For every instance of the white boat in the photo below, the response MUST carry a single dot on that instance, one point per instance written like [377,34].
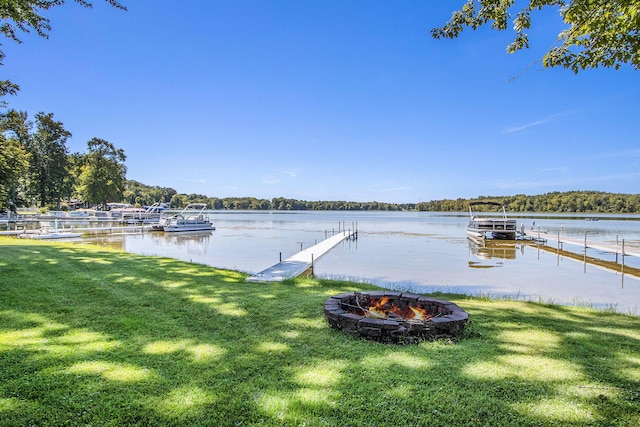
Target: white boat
[162,221]
[147,215]
[117,211]
[50,231]
[491,227]
[153,214]
[192,218]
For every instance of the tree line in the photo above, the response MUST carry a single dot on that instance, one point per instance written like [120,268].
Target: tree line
[570,201]
[142,195]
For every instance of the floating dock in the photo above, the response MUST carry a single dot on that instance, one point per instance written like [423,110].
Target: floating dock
[620,249]
[300,262]
[99,230]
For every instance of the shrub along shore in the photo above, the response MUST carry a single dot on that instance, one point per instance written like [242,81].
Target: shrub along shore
[95,336]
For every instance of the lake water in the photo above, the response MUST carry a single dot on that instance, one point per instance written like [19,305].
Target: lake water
[421,252]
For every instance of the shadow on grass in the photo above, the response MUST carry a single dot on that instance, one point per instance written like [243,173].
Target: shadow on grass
[93,336]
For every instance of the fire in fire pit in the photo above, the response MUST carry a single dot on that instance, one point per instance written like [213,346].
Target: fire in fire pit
[394,317]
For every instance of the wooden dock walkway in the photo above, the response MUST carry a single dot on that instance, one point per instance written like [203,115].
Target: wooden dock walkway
[99,230]
[300,262]
[621,249]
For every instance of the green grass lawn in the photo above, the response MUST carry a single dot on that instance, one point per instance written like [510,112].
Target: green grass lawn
[93,336]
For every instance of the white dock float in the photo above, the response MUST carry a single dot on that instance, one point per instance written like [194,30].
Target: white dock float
[300,262]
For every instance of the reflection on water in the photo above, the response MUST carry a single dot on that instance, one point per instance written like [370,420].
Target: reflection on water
[106,241]
[491,253]
[423,252]
[186,238]
[190,242]
[495,253]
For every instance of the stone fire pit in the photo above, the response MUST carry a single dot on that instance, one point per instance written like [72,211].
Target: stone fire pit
[394,317]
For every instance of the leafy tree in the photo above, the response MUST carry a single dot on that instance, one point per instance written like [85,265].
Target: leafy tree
[14,158]
[76,162]
[179,201]
[48,168]
[39,160]
[103,176]
[600,32]
[6,86]
[140,194]
[217,203]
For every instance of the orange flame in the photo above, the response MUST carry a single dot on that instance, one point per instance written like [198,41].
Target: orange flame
[381,308]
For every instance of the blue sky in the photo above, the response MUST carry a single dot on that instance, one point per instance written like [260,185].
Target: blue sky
[328,100]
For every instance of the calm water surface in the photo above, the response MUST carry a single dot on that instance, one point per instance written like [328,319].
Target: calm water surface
[422,252]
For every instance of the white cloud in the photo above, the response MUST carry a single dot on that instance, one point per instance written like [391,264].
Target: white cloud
[527,126]
[549,119]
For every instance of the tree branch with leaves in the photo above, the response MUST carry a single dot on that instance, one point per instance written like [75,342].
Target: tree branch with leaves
[599,33]
[24,16]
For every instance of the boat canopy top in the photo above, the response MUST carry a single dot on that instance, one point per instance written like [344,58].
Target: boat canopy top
[485,203]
